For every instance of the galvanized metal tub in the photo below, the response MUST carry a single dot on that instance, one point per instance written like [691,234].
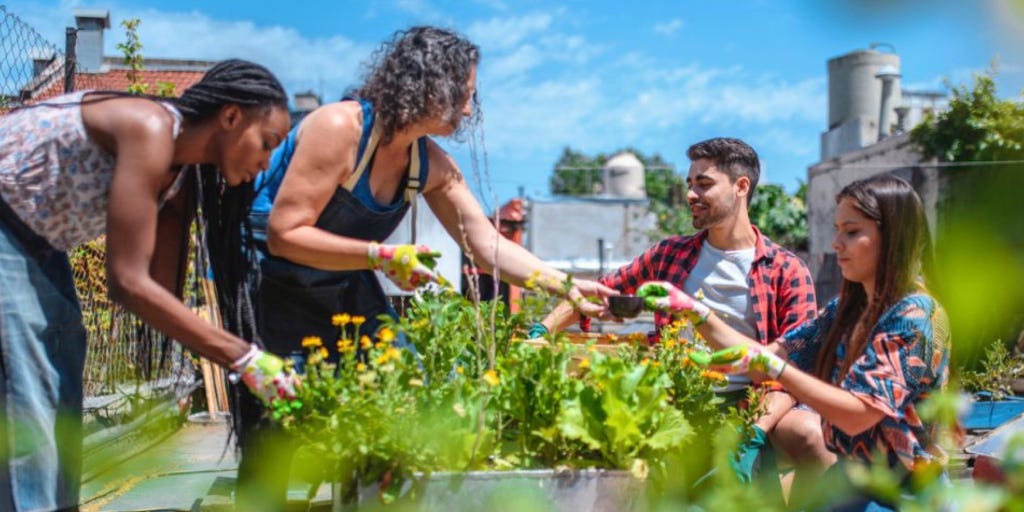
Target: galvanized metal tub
[542,490]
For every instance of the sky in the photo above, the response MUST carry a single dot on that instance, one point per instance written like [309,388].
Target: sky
[596,76]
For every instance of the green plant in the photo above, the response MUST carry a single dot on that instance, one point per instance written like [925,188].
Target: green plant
[473,396]
[132,51]
[999,368]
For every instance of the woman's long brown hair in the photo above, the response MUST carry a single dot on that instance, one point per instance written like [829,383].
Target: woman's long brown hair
[904,260]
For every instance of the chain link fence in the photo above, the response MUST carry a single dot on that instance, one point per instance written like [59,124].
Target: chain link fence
[129,364]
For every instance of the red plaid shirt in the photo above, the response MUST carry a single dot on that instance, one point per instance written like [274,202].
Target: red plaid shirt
[781,290]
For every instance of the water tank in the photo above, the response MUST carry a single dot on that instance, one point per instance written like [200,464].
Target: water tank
[853,89]
[623,176]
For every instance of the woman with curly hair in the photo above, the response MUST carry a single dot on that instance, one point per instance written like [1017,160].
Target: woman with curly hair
[341,182]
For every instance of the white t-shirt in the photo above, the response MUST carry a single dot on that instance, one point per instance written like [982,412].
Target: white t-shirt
[722,278]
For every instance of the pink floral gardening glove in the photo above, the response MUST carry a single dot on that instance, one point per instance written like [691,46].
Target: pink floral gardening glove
[266,376]
[663,296]
[741,359]
[408,266]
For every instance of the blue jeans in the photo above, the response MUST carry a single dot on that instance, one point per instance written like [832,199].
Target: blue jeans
[42,354]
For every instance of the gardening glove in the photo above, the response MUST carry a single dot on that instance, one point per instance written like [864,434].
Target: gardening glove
[537,330]
[662,296]
[741,359]
[408,266]
[266,376]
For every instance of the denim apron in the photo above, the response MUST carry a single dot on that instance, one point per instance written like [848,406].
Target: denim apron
[294,300]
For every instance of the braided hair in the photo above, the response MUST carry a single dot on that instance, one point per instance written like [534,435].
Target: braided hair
[224,209]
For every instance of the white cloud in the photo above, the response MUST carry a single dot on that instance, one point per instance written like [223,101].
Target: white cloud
[506,33]
[302,63]
[668,28]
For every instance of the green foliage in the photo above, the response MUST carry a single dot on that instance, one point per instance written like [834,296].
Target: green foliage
[978,126]
[383,415]
[978,216]
[779,216]
[998,370]
[132,51]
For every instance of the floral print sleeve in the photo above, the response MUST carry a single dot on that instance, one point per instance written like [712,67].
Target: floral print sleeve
[903,357]
[906,358]
[803,341]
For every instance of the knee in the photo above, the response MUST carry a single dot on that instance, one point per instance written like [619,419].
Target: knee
[801,439]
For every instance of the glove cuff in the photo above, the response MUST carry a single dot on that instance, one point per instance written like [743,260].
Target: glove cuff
[537,330]
[244,361]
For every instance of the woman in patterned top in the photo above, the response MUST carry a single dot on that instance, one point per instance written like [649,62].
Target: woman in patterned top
[89,163]
[874,353]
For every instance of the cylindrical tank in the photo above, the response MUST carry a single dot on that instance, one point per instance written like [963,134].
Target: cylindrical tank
[853,89]
[623,176]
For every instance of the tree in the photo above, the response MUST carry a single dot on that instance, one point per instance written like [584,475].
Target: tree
[980,229]
[779,216]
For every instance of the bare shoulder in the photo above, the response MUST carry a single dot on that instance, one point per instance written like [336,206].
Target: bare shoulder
[335,121]
[124,116]
[441,163]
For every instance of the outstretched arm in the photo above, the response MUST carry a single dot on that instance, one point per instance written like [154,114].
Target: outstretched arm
[451,200]
[741,354]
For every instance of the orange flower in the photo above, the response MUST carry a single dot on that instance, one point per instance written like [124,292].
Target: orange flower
[713,375]
[341,319]
[312,342]
[358,320]
[364,342]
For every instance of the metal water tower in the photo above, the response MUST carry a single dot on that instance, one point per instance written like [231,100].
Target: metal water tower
[623,176]
[853,88]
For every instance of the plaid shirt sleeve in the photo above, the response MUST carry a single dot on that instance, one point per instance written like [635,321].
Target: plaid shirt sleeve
[796,301]
[669,260]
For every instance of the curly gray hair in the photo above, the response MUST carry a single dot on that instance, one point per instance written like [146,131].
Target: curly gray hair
[420,72]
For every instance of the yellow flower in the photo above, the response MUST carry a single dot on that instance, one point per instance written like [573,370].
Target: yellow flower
[393,353]
[386,335]
[340,319]
[612,338]
[416,383]
[584,364]
[645,361]
[364,342]
[379,345]
[344,345]
[323,352]
[491,378]
[360,367]
[656,364]
[460,370]
[358,320]
[670,343]
[311,342]
[381,359]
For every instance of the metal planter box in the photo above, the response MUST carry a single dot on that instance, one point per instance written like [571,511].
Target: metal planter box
[569,491]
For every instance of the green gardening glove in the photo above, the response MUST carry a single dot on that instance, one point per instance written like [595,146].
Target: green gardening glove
[741,359]
[663,296]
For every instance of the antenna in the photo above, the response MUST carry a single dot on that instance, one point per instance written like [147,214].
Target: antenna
[878,44]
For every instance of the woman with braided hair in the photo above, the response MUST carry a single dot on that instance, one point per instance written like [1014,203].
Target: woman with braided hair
[93,162]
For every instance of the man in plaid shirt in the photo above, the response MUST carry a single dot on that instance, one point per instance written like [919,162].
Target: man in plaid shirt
[758,287]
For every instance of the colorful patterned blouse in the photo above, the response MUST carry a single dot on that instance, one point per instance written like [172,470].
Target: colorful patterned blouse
[906,358]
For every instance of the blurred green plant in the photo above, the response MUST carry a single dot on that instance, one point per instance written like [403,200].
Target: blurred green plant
[996,373]
[979,144]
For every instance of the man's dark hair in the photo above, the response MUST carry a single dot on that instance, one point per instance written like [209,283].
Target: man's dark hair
[732,156]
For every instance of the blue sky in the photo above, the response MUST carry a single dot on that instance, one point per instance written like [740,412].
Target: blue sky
[597,75]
